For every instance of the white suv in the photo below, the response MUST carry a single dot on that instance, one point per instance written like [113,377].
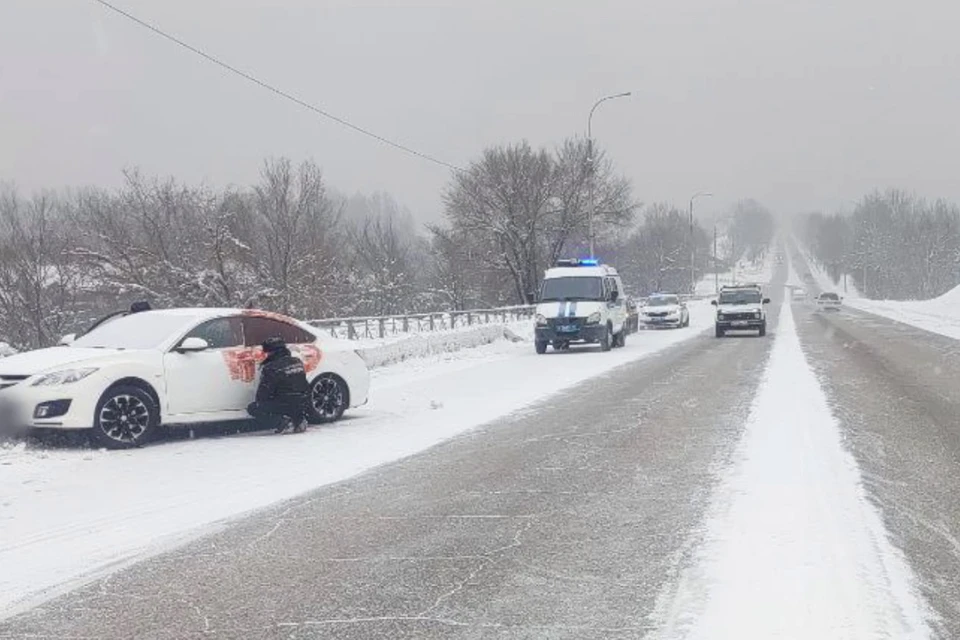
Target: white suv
[739,308]
[581,301]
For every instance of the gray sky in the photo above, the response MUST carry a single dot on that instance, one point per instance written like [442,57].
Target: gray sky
[799,104]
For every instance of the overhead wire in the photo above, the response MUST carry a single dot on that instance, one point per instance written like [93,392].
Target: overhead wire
[275,90]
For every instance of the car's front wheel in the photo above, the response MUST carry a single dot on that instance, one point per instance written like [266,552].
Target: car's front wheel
[329,398]
[125,417]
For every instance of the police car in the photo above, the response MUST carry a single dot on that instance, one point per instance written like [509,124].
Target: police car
[740,307]
[581,301]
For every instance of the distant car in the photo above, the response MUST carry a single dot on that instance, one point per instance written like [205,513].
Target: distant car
[829,301]
[664,310]
[800,295]
[130,375]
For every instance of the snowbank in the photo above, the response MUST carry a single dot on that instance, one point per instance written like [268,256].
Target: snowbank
[940,315]
[379,353]
[793,547]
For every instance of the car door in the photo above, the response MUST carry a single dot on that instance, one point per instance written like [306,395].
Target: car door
[257,328]
[213,380]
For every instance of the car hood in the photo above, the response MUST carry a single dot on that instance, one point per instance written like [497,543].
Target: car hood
[739,308]
[569,309]
[33,362]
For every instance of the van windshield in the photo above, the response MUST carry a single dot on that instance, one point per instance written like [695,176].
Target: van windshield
[572,288]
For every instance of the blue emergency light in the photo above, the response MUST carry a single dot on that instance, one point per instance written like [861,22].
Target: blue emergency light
[578,262]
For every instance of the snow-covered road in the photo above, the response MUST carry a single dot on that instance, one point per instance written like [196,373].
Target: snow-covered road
[67,516]
[779,487]
[793,548]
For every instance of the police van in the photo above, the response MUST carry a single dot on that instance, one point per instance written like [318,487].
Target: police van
[581,301]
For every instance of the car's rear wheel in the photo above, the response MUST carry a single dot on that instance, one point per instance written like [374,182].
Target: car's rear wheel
[329,398]
[126,416]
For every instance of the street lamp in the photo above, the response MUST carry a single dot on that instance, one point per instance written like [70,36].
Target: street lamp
[693,246]
[590,167]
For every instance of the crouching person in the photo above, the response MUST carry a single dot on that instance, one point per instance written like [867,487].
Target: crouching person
[282,393]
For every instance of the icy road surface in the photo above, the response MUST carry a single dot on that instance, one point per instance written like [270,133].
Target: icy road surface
[67,516]
[793,547]
[692,493]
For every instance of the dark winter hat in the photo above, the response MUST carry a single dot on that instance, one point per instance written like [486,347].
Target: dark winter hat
[273,344]
[141,305]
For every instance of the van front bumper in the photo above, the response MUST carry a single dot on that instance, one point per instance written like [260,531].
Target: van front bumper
[570,333]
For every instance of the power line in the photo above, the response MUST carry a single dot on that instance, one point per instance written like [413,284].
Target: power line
[275,90]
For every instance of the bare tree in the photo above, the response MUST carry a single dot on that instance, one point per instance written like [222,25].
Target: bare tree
[40,285]
[530,207]
[294,234]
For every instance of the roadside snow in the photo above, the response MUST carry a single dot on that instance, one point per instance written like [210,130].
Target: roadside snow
[940,315]
[69,516]
[379,353]
[793,548]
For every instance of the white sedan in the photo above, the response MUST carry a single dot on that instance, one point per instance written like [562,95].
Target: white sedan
[664,310]
[170,367]
[829,301]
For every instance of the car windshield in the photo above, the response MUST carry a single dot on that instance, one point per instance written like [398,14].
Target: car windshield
[829,296]
[137,331]
[663,301]
[740,296]
[572,288]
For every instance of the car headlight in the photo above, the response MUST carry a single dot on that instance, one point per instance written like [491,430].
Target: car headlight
[593,318]
[756,314]
[66,376]
[541,320]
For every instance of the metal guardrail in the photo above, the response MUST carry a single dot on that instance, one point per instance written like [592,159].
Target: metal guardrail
[373,327]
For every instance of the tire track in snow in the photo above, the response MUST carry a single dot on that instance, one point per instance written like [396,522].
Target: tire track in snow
[793,548]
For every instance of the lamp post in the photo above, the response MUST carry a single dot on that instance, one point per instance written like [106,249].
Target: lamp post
[693,246]
[590,167]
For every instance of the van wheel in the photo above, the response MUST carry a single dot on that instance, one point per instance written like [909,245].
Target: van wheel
[540,346]
[125,417]
[607,341]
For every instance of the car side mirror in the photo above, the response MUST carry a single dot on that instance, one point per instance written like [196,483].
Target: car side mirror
[67,340]
[193,344]
[766,301]
[713,302]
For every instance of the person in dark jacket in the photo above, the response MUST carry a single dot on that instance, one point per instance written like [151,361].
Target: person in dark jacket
[282,393]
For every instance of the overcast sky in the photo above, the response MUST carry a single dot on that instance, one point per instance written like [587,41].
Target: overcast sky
[800,104]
